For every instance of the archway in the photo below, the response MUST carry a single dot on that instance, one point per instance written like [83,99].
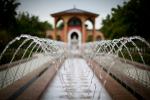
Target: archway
[74,39]
[74,35]
[74,21]
[89,24]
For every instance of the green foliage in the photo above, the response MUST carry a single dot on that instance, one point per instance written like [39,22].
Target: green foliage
[130,19]
[23,23]
[4,39]
[136,57]
[8,13]
[27,24]
[13,24]
[7,57]
[90,38]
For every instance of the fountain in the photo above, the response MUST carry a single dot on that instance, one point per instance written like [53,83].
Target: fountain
[35,49]
[115,57]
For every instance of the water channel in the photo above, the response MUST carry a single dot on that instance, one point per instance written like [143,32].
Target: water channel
[73,82]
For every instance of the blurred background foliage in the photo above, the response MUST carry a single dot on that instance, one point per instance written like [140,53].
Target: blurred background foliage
[130,19]
[133,18]
[13,24]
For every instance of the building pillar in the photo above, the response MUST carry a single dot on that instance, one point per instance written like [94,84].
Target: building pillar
[55,29]
[83,31]
[65,30]
[94,31]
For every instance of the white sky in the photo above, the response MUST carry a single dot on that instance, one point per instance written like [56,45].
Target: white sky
[43,8]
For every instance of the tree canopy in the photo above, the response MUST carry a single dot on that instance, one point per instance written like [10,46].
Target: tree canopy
[8,13]
[27,24]
[13,24]
[132,18]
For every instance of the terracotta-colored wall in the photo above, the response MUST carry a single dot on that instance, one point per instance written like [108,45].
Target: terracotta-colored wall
[67,28]
[74,27]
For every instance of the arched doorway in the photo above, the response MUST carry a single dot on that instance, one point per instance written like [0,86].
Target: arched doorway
[74,39]
[75,36]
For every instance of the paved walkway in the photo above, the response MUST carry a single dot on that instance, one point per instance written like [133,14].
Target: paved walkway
[75,81]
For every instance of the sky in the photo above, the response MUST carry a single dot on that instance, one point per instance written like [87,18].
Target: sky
[43,8]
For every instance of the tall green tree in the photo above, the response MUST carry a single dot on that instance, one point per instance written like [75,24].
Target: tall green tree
[27,24]
[7,20]
[8,13]
[130,19]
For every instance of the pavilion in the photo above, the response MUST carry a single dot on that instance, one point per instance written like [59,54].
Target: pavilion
[74,27]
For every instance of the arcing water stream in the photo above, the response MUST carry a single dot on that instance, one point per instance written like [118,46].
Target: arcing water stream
[75,79]
[44,50]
